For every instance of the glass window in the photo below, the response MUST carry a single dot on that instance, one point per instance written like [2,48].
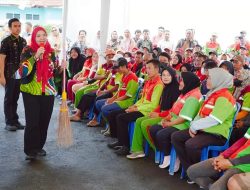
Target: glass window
[9,15]
[17,16]
[28,16]
[35,17]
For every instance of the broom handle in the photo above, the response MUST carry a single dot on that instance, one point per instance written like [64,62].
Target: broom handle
[65,15]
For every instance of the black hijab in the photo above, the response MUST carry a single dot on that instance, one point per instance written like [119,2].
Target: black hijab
[170,92]
[76,65]
[188,66]
[191,81]
[229,66]
[179,61]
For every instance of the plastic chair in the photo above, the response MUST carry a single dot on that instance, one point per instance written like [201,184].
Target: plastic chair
[131,125]
[215,150]
[173,157]
[172,161]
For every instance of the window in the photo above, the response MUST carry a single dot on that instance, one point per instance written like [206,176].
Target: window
[28,16]
[9,15]
[17,16]
[35,17]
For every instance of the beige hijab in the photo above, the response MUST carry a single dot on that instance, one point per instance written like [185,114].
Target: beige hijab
[220,79]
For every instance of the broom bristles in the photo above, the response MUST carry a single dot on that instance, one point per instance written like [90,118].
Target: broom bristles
[64,131]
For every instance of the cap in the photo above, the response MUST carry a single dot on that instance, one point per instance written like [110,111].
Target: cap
[237,58]
[116,57]
[214,34]
[212,52]
[189,49]
[199,46]
[200,54]
[120,62]
[109,52]
[135,49]
[120,50]
[243,47]
[243,32]
[146,48]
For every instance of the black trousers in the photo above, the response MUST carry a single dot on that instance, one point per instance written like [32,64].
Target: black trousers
[112,121]
[122,121]
[189,149]
[86,101]
[38,111]
[12,92]
[89,99]
[162,137]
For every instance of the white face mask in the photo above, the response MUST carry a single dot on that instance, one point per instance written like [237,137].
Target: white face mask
[202,71]
[128,59]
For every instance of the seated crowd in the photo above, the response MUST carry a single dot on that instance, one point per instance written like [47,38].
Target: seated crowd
[183,100]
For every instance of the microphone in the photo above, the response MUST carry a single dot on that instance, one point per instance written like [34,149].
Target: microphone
[42,44]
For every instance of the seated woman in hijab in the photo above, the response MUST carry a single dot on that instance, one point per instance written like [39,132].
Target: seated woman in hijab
[212,124]
[208,64]
[85,74]
[183,112]
[228,66]
[76,62]
[169,96]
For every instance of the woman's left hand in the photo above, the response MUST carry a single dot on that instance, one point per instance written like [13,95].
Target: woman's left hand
[153,115]
[191,133]
[166,123]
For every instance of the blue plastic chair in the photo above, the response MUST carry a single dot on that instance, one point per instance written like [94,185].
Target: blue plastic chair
[158,154]
[172,161]
[215,150]
[132,124]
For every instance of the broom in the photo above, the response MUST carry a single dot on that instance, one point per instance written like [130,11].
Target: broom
[64,131]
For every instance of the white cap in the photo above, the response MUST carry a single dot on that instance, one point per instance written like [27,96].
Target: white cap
[116,57]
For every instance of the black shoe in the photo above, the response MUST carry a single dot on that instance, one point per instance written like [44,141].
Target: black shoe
[114,145]
[31,156]
[123,151]
[189,181]
[41,153]
[19,126]
[10,127]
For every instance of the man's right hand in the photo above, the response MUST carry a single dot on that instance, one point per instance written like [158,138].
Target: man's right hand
[2,81]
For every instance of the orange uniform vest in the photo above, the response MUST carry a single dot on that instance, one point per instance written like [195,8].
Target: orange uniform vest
[125,81]
[208,106]
[178,105]
[149,87]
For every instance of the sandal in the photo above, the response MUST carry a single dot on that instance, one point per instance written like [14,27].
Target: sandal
[93,123]
[75,118]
